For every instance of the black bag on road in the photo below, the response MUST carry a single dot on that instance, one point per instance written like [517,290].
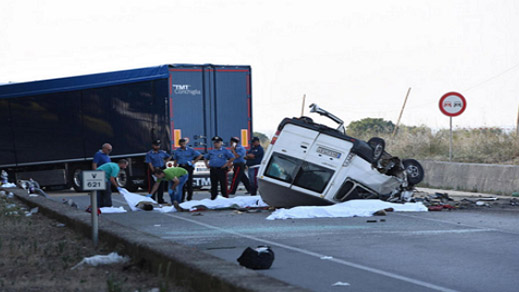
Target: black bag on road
[259,258]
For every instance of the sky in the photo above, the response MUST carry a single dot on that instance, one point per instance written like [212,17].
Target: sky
[356,59]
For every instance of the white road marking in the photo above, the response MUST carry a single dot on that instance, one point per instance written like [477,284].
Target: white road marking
[458,224]
[317,255]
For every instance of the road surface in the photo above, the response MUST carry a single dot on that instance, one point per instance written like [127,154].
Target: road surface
[461,250]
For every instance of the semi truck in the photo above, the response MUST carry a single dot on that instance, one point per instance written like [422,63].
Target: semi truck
[50,129]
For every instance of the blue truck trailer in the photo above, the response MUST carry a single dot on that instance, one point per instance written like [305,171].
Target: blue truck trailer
[50,129]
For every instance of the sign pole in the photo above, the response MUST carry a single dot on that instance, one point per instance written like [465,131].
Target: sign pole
[452,104]
[95,218]
[93,180]
[450,140]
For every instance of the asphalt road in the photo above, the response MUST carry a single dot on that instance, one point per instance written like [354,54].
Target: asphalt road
[462,250]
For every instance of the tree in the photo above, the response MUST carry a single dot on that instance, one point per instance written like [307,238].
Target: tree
[264,140]
[370,126]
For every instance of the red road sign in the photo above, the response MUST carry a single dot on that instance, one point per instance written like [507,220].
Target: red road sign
[452,104]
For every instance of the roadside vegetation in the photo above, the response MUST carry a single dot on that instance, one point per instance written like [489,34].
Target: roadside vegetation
[478,145]
[37,254]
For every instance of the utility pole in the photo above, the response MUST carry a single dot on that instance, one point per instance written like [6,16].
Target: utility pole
[303,107]
[517,125]
[401,112]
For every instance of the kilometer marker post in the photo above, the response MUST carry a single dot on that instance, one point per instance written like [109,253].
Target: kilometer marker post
[93,180]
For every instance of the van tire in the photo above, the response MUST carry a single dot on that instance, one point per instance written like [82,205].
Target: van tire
[378,145]
[414,171]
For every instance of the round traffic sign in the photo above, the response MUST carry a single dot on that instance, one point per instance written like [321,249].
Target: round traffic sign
[452,104]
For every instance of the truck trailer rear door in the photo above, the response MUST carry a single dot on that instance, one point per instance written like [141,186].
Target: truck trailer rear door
[210,100]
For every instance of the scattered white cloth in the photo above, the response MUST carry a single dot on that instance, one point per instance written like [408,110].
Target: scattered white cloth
[108,210]
[133,199]
[353,208]
[8,185]
[112,258]
[221,202]
[165,209]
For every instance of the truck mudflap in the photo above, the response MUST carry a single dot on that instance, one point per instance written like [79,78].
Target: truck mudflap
[282,197]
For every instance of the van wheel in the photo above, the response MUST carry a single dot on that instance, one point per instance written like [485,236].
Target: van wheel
[378,145]
[414,171]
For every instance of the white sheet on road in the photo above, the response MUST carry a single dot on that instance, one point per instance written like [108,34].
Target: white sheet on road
[110,210]
[8,185]
[354,208]
[133,199]
[220,202]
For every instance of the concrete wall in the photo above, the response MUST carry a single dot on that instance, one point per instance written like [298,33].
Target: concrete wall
[485,178]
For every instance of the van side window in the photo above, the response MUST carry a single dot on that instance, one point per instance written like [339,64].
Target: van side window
[282,167]
[313,177]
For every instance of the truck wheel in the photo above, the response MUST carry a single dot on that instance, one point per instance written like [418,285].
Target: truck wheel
[378,145]
[414,170]
[123,180]
[75,179]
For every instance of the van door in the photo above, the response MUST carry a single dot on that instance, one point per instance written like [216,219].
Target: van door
[331,153]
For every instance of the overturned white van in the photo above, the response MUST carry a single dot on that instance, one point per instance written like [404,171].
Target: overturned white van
[312,164]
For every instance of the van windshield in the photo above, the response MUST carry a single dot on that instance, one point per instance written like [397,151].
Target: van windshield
[298,172]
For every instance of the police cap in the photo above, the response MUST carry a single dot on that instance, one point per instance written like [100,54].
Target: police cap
[156,142]
[235,139]
[217,139]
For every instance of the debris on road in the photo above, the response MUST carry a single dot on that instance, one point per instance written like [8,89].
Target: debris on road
[259,258]
[488,199]
[32,211]
[32,187]
[8,185]
[380,213]
[110,259]
[481,203]
[112,210]
[341,284]
[70,203]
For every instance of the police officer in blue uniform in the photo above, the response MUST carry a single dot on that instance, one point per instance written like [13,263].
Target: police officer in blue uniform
[239,166]
[218,160]
[186,157]
[254,157]
[156,159]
